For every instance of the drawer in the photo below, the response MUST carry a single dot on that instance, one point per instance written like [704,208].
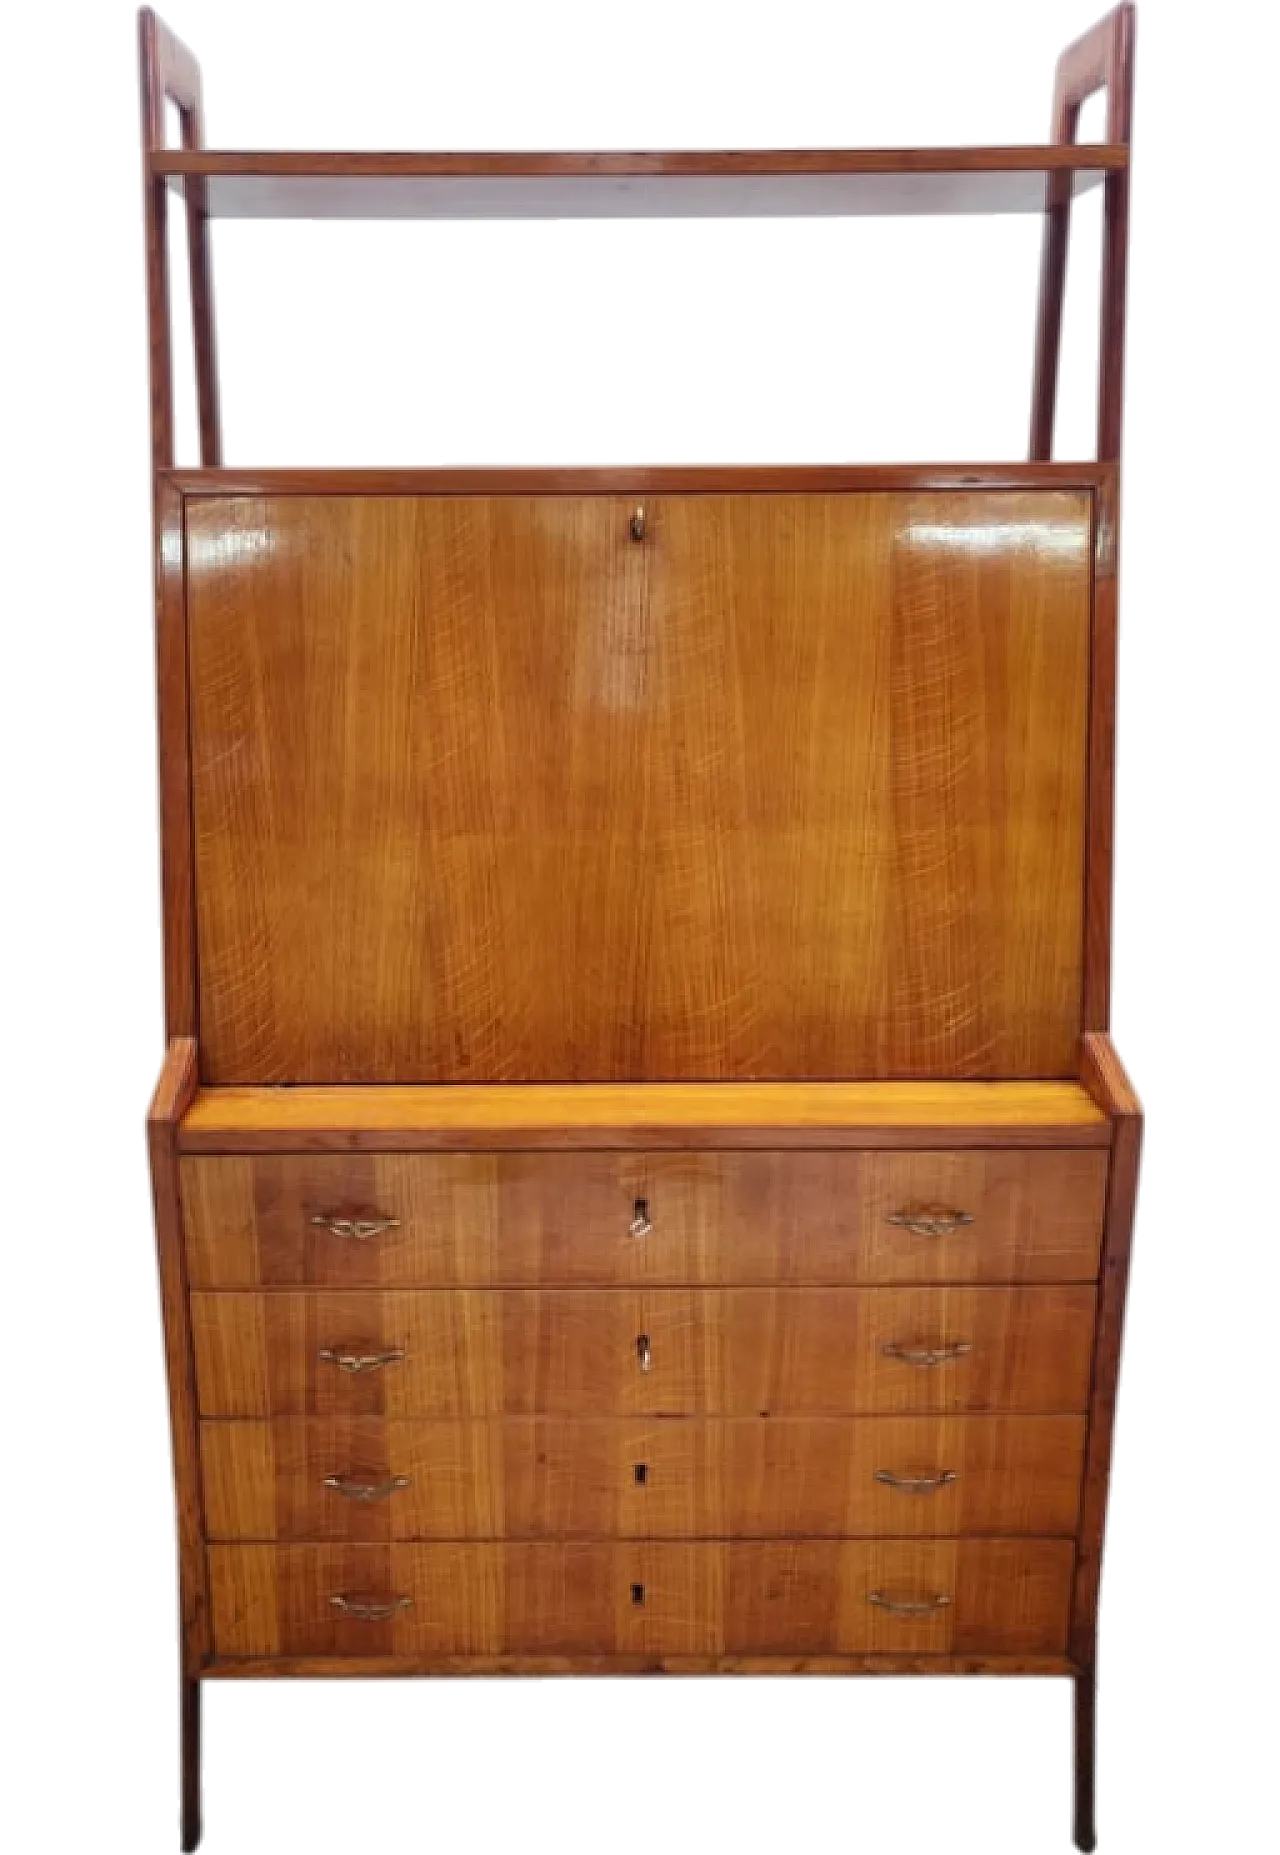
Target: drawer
[584,1352]
[804,1598]
[366,1478]
[512,1219]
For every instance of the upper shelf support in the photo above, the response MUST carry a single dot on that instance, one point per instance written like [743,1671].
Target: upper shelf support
[171,82]
[1100,60]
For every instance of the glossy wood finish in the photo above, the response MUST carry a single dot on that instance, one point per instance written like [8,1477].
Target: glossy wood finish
[530,874]
[745,1351]
[411,1667]
[606,1219]
[763,865]
[543,1478]
[644,1115]
[1006,1597]
[640,480]
[1100,832]
[177,850]
[173,1092]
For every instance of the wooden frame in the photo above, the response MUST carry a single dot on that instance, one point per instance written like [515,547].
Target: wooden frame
[185,1120]
[173,1096]
[1104,1076]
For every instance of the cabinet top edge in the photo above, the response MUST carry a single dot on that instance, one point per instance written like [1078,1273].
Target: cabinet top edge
[634,1115]
[623,480]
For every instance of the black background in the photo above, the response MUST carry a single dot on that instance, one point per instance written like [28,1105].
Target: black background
[405,345]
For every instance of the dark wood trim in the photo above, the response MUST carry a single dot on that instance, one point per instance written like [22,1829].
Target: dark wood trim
[1103,1075]
[641,164]
[166,1104]
[303,1667]
[177,850]
[654,480]
[200,261]
[1101,59]
[1115,248]
[1085,1712]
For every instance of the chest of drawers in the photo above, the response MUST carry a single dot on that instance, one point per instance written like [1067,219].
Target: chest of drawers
[643,1182]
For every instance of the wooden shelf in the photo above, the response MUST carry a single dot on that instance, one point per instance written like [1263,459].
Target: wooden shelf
[805,183]
[670,1114]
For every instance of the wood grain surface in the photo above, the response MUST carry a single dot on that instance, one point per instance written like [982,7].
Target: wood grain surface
[367,1479]
[798,1598]
[394,1119]
[794,787]
[743,1351]
[606,1219]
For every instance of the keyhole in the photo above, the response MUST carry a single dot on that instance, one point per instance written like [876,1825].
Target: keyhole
[641,1473]
[637,1594]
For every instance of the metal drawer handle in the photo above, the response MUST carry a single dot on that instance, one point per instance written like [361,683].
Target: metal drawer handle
[909,1606]
[638,523]
[917,1484]
[361,1362]
[644,1352]
[369,1609]
[640,1225]
[927,1356]
[931,1222]
[365,1491]
[354,1229]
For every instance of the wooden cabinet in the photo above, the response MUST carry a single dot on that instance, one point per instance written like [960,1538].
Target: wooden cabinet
[642,1179]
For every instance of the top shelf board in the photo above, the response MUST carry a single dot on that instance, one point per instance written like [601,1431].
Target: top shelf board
[820,183]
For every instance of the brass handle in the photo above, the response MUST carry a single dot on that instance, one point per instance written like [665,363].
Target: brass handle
[927,1356]
[355,1229]
[640,1225]
[369,1609]
[931,1222]
[644,1352]
[361,1362]
[916,1484]
[366,1491]
[638,523]
[909,1606]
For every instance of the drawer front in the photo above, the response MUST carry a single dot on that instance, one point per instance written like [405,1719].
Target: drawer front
[656,1352]
[366,1478]
[808,1598]
[403,1220]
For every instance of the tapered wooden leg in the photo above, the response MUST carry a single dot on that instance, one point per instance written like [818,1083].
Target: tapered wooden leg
[1086,1683]
[191,1824]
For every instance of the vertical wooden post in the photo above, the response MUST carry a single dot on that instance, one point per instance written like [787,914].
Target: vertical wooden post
[169,78]
[173,1096]
[1103,1076]
[1101,59]
[169,72]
